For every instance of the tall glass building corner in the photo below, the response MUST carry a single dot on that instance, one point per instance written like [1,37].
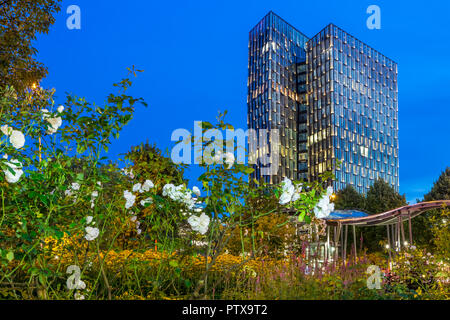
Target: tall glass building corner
[333,98]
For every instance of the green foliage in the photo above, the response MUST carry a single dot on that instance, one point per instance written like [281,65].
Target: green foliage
[441,188]
[236,206]
[38,206]
[146,249]
[349,198]
[381,197]
[20,22]
[44,217]
[91,127]
[441,233]
[42,229]
[272,234]
[422,225]
[149,162]
[417,273]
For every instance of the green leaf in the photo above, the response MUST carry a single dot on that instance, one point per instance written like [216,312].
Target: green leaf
[248,170]
[307,219]
[10,256]
[42,278]
[59,234]
[206,125]
[301,217]
[173,263]
[81,148]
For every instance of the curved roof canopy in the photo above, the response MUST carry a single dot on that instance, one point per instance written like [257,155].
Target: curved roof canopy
[359,218]
[346,214]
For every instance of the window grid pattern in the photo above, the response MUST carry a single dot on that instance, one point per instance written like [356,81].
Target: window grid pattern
[332,97]
[276,54]
[353,111]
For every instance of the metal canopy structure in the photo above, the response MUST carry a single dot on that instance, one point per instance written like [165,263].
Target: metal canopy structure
[340,220]
[347,214]
[386,218]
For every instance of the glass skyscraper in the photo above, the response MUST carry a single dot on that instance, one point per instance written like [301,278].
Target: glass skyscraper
[332,97]
[277,92]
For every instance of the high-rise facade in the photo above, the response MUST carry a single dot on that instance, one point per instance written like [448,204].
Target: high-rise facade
[332,97]
[277,92]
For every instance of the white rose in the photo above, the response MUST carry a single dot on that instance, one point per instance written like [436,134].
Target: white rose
[78,296]
[286,184]
[295,197]
[17,139]
[55,123]
[168,189]
[128,173]
[60,109]
[329,191]
[199,224]
[16,166]
[91,233]
[148,184]
[229,160]
[179,194]
[196,191]
[203,223]
[323,207]
[285,198]
[146,201]
[137,187]
[6,129]
[75,186]
[288,191]
[130,199]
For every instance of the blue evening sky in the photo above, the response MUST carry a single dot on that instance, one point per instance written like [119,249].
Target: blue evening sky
[195,55]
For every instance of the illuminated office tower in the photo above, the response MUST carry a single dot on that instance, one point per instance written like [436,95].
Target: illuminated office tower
[353,111]
[275,95]
[332,97]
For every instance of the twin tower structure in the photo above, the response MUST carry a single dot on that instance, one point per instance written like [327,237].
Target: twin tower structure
[333,100]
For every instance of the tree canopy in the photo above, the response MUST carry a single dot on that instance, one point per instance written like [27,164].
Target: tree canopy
[349,198]
[423,224]
[441,188]
[148,162]
[381,197]
[20,22]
